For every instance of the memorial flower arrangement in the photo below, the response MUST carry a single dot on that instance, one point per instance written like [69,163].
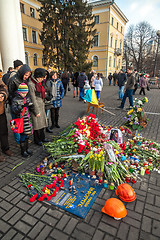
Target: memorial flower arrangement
[136,117]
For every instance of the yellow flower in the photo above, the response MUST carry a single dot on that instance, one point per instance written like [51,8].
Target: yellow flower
[131,123]
[146,99]
[47,191]
[116,152]
[133,150]
[130,111]
[139,110]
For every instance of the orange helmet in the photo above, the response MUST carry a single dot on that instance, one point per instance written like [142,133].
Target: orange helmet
[125,192]
[114,208]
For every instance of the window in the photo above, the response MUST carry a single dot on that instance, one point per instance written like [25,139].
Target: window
[95,61]
[117,25]
[32,12]
[96,19]
[95,41]
[22,8]
[110,60]
[34,36]
[111,41]
[121,45]
[26,58]
[121,29]
[112,21]
[115,44]
[24,34]
[35,59]
[114,63]
[43,61]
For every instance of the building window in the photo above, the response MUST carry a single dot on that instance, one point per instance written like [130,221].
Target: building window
[121,29]
[95,41]
[114,63]
[35,59]
[120,45]
[112,21]
[115,44]
[26,58]
[43,61]
[95,61]
[22,8]
[32,12]
[34,36]
[96,19]
[111,42]
[24,34]
[110,60]
[117,25]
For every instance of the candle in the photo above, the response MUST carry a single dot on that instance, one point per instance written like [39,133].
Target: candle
[142,171]
[112,186]
[134,180]
[147,171]
[128,178]
[105,184]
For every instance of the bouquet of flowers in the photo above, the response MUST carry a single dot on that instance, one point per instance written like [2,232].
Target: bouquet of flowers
[136,118]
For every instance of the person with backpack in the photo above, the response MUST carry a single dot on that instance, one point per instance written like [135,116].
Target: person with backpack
[110,78]
[121,82]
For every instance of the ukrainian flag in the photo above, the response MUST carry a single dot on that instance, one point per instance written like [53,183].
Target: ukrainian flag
[91,97]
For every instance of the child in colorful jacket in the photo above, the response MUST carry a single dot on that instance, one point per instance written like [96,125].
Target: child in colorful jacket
[21,104]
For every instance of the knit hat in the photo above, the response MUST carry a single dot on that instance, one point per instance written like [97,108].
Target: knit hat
[17,63]
[40,72]
[23,88]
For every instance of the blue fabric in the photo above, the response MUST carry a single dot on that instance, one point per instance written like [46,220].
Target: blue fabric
[129,94]
[97,94]
[47,113]
[23,137]
[16,135]
[81,93]
[110,82]
[88,95]
[121,92]
[60,93]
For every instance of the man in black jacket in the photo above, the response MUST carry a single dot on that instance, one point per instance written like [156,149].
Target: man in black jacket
[81,81]
[129,88]
[121,81]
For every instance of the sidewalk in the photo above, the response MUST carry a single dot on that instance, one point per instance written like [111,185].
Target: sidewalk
[20,219]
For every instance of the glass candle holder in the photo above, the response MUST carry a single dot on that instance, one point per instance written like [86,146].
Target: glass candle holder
[105,184]
[112,186]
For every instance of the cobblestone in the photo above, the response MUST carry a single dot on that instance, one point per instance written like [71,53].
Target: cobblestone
[20,219]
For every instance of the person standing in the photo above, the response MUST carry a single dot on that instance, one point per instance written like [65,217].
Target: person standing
[57,91]
[81,81]
[3,122]
[98,83]
[6,76]
[110,78]
[75,84]
[20,107]
[121,81]
[37,95]
[129,88]
[92,80]
[143,82]
[65,81]
[115,78]
[136,81]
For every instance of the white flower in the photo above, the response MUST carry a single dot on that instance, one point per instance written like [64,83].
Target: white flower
[140,102]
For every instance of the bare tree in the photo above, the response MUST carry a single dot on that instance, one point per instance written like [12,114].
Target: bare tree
[137,44]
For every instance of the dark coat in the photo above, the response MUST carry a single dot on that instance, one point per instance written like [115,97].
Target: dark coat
[75,79]
[6,77]
[130,81]
[16,80]
[121,79]
[48,96]
[60,93]
[4,91]
[81,80]
[17,108]
[38,106]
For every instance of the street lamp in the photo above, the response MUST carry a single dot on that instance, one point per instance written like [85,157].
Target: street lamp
[155,63]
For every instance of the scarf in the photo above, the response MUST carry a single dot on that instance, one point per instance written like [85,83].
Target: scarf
[54,90]
[40,88]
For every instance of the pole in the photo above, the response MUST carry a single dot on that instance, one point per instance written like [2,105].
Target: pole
[155,63]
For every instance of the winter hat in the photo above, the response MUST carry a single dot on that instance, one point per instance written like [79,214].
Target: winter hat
[17,63]
[23,88]
[40,72]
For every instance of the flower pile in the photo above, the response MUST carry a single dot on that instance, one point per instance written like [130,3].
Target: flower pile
[136,117]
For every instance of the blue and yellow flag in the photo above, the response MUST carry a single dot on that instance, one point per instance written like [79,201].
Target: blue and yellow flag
[91,97]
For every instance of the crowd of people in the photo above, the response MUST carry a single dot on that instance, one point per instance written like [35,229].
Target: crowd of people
[36,98]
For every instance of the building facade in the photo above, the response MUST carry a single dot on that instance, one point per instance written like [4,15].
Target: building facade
[107,50]
[32,27]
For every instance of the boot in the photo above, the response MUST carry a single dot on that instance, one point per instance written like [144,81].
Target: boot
[23,150]
[52,118]
[26,147]
[56,121]
[2,158]
[48,128]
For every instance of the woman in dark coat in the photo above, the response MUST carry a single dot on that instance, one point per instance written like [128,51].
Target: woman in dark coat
[75,84]
[37,95]
[65,81]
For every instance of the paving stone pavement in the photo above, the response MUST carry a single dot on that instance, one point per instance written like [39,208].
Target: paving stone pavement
[20,219]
